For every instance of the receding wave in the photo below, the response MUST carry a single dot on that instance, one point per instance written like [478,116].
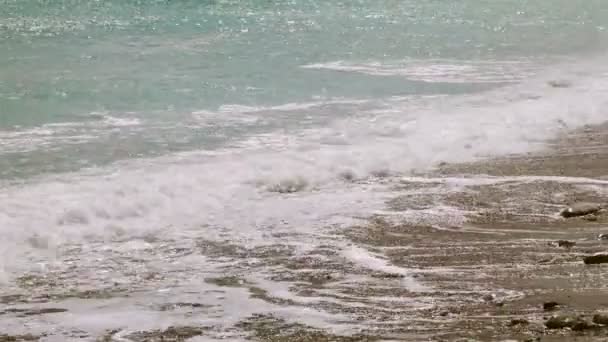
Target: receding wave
[447,71]
[51,135]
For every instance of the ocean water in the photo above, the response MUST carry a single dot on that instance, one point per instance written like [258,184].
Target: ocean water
[129,126]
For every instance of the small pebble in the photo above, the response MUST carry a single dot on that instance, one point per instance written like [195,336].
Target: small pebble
[489,297]
[518,321]
[599,258]
[548,306]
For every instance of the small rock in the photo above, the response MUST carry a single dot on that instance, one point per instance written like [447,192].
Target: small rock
[518,321]
[560,322]
[599,258]
[600,319]
[566,243]
[489,297]
[444,313]
[581,209]
[563,243]
[549,306]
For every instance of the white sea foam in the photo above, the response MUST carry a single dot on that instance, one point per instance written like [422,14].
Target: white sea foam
[53,135]
[366,259]
[240,114]
[230,188]
[444,71]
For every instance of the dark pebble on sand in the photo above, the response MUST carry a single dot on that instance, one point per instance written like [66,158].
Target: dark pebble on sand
[600,319]
[581,209]
[596,259]
[489,297]
[560,322]
[563,243]
[518,321]
[548,306]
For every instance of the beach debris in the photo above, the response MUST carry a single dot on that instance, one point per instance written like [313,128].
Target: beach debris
[581,209]
[602,237]
[549,306]
[576,323]
[598,258]
[518,321]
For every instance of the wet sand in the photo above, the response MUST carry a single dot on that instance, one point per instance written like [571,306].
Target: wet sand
[499,274]
[494,272]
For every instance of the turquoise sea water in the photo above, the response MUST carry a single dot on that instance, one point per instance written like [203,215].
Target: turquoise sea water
[79,78]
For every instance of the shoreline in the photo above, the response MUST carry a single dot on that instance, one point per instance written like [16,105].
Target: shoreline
[467,252]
